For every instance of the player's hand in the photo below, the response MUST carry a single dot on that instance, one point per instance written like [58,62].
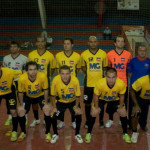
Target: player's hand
[122,112]
[54,110]
[47,109]
[21,111]
[77,110]
[135,110]
[95,111]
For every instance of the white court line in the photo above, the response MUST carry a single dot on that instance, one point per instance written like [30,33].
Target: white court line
[104,141]
[148,140]
[29,138]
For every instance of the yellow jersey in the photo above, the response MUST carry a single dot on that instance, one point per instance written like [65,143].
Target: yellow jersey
[143,84]
[94,64]
[66,93]
[6,79]
[109,94]
[73,61]
[45,62]
[33,89]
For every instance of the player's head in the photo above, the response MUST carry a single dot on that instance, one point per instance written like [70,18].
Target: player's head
[93,42]
[65,73]
[14,47]
[40,42]
[142,51]
[31,68]
[68,43]
[111,76]
[119,42]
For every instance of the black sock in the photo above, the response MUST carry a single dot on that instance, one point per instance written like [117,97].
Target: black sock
[47,124]
[36,114]
[62,118]
[78,124]
[91,124]
[15,123]
[22,121]
[110,116]
[87,113]
[124,124]
[54,124]
[73,118]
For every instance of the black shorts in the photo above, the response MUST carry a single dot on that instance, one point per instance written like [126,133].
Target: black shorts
[28,101]
[111,108]
[11,100]
[88,94]
[61,107]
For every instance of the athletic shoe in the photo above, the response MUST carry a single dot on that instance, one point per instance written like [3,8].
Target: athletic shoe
[109,124]
[13,136]
[54,138]
[73,124]
[126,137]
[21,137]
[8,122]
[48,137]
[101,124]
[88,138]
[60,125]
[79,138]
[34,122]
[134,137]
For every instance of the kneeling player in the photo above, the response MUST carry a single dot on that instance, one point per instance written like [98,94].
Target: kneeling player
[67,88]
[109,90]
[34,85]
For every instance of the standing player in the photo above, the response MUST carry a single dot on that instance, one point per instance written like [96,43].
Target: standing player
[72,59]
[93,61]
[119,59]
[6,82]
[46,64]
[109,90]
[139,66]
[34,85]
[16,61]
[67,88]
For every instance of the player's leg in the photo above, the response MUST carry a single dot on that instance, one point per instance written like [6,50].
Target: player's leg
[101,114]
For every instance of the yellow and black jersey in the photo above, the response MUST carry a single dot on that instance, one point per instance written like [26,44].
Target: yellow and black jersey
[33,89]
[66,93]
[45,62]
[143,84]
[109,94]
[94,64]
[6,79]
[73,61]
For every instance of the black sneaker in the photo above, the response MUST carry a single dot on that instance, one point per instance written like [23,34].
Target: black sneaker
[101,124]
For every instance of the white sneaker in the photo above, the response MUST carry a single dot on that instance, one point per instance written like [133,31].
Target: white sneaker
[109,124]
[44,122]
[34,122]
[54,138]
[73,124]
[79,138]
[60,125]
[134,137]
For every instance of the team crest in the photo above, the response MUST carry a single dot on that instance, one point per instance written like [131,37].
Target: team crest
[4,83]
[43,61]
[17,64]
[114,92]
[37,86]
[122,59]
[71,89]
[146,65]
[71,62]
[98,59]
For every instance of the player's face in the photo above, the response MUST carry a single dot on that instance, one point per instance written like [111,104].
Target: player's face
[111,78]
[67,45]
[40,43]
[14,48]
[119,43]
[93,43]
[65,75]
[142,52]
[32,71]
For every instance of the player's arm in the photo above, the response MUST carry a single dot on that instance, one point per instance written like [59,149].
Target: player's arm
[20,98]
[46,96]
[121,100]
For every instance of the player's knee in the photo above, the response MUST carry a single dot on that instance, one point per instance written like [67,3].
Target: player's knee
[13,112]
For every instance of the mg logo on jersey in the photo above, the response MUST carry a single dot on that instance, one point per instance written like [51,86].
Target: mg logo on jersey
[109,97]
[41,67]
[43,61]
[4,83]
[4,88]
[34,92]
[98,59]
[37,86]
[119,66]
[68,96]
[94,66]
[71,89]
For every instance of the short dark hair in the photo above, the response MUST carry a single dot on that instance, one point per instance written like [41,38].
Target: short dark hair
[14,43]
[31,63]
[111,70]
[141,45]
[118,36]
[70,39]
[64,67]
[41,37]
